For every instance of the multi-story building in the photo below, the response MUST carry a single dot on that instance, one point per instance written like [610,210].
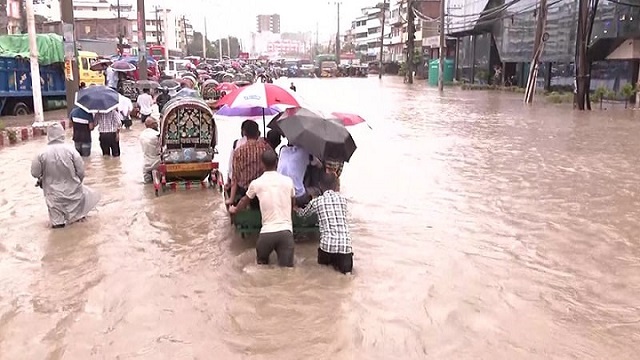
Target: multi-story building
[505,35]
[287,47]
[366,31]
[98,20]
[268,23]
[11,18]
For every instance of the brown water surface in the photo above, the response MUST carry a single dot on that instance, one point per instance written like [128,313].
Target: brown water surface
[482,229]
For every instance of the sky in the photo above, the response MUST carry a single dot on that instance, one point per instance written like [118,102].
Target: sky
[238,17]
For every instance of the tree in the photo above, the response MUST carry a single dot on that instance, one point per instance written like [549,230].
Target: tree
[195,47]
[348,47]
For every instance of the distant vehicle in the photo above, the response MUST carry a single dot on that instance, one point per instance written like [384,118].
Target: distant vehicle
[157,52]
[328,69]
[173,67]
[88,76]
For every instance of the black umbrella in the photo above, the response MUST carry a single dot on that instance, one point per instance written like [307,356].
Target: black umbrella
[324,138]
[170,84]
[97,99]
[147,84]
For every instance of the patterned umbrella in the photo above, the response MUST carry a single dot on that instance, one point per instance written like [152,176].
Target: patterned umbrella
[97,99]
[226,87]
[170,84]
[101,65]
[123,66]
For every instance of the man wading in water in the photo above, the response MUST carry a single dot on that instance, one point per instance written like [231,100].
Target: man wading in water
[276,194]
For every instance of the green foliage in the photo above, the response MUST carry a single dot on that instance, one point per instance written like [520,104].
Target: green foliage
[600,93]
[628,90]
[195,47]
[13,136]
[559,97]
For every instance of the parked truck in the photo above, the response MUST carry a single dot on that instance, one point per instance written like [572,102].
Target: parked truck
[16,97]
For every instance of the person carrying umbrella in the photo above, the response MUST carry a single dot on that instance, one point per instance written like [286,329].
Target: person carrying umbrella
[109,125]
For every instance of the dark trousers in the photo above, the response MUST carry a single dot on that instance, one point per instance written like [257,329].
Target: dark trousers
[143,118]
[341,262]
[109,144]
[281,242]
[84,149]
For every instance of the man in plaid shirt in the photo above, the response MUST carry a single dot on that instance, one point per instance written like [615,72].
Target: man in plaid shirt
[109,125]
[335,239]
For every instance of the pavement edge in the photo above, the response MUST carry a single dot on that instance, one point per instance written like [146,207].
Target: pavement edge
[16,135]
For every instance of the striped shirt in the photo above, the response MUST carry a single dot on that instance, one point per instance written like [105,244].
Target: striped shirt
[109,123]
[247,162]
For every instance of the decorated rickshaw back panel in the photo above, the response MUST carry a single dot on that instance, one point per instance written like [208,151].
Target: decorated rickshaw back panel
[189,126]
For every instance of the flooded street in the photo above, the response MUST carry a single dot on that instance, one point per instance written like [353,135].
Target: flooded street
[482,229]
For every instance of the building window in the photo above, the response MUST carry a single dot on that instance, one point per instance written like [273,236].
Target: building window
[94,8]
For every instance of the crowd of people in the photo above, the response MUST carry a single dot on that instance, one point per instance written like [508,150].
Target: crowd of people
[275,184]
[278,185]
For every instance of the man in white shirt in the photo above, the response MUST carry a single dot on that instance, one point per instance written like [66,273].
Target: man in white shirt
[145,103]
[276,194]
[149,139]
[112,78]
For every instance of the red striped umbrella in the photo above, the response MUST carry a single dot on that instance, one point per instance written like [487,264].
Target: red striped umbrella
[349,119]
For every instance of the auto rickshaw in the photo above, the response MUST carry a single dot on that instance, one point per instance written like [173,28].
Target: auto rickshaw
[209,89]
[188,138]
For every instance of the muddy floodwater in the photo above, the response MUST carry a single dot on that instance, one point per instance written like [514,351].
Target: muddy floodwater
[482,229]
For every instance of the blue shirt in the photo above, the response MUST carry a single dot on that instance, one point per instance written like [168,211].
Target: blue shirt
[293,163]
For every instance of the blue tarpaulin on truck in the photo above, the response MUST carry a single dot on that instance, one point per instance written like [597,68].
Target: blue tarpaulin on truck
[50,47]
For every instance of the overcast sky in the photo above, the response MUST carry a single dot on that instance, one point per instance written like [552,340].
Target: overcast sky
[238,17]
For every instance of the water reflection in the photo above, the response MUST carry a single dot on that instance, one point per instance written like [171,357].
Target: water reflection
[482,229]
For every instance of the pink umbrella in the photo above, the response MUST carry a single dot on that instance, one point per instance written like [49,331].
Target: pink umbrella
[226,87]
[349,119]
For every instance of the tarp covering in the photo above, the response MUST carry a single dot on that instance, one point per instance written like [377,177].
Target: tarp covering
[50,47]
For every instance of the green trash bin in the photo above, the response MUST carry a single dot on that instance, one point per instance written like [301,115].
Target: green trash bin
[434,69]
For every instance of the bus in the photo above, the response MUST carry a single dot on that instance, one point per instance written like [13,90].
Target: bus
[157,52]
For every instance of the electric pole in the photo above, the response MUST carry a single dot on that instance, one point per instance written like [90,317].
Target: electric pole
[411,34]
[36,88]
[338,34]
[142,41]
[384,20]
[70,52]
[229,45]
[540,38]
[119,30]
[220,48]
[204,40]
[443,48]
[166,34]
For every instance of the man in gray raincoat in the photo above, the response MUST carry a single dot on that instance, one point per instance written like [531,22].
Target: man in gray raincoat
[60,172]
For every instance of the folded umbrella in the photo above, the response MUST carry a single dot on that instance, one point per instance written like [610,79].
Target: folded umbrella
[97,99]
[325,138]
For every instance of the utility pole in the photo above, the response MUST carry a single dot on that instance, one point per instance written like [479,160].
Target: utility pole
[158,26]
[70,52]
[166,34]
[186,38]
[142,41]
[540,38]
[411,33]
[443,48]
[384,20]
[36,88]
[229,46]
[204,40]
[317,38]
[586,15]
[338,50]
[120,49]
